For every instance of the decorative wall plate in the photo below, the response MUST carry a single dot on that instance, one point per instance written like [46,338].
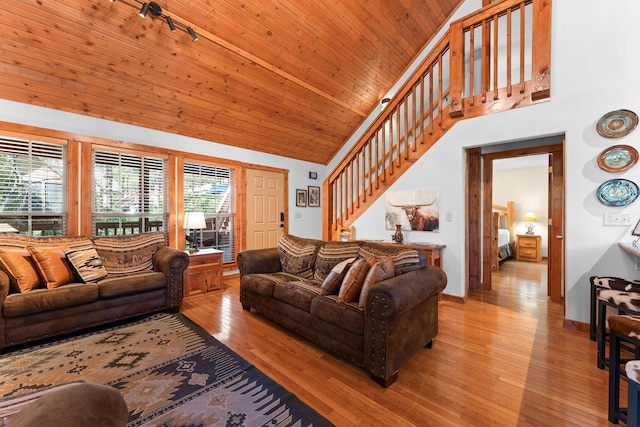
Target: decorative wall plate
[617,192]
[617,123]
[618,158]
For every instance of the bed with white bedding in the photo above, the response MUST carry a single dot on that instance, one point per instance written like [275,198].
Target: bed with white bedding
[502,230]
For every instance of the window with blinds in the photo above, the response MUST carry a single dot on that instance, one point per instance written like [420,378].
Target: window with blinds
[210,189]
[32,186]
[129,193]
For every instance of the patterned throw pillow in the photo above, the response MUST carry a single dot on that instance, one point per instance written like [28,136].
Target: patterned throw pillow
[332,282]
[18,265]
[297,256]
[52,265]
[129,254]
[404,260]
[86,263]
[354,279]
[381,270]
[331,254]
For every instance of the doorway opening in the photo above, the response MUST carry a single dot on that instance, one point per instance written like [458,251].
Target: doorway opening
[525,194]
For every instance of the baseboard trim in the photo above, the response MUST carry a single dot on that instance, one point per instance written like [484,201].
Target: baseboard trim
[452,298]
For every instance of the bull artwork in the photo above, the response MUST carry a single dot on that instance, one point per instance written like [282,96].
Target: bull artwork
[415,214]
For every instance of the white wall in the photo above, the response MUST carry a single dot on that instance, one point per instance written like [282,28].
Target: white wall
[528,187]
[591,74]
[15,112]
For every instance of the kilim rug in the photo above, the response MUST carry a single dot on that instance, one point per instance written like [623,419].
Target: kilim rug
[170,372]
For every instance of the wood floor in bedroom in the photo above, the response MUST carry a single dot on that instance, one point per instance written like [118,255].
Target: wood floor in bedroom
[501,359]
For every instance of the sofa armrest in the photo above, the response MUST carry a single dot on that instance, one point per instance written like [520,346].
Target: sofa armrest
[5,287]
[254,261]
[401,293]
[172,263]
[401,317]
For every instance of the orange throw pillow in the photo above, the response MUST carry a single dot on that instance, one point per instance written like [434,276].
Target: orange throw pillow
[354,279]
[52,265]
[17,264]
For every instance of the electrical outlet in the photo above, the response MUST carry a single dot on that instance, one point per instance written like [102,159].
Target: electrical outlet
[617,219]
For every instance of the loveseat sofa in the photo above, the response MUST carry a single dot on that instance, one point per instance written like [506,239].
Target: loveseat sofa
[372,304]
[56,285]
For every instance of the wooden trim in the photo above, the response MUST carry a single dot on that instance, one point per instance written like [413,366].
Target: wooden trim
[86,181]
[453,298]
[73,188]
[487,199]
[473,221]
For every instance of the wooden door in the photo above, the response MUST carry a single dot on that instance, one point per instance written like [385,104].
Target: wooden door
[555,271]
[265,208]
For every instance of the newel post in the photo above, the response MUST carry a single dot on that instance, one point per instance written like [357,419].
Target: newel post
[456,69]
[541,61]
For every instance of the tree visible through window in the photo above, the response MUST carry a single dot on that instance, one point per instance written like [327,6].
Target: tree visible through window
[209,189]
[128,193]
[32,183]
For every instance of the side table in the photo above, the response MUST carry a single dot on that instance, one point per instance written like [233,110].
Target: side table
[204,273]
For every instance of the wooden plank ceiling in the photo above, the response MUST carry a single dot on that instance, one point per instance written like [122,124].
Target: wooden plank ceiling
[286,77]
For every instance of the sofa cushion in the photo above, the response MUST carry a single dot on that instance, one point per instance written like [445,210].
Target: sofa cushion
[381,270]
[39,300]
[298,294]
[52,265]
[128,254]
[345,316]
[332,253]
[114,286]
[297,255]
[354,279]
[263,284]
[332,282]
[86,263]
[18,265]
[404,259]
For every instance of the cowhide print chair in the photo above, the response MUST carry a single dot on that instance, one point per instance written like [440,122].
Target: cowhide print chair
[621,295]
[633,400]
[623,329]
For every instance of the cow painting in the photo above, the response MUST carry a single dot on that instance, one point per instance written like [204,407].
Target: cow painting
[420,221]
[417,209]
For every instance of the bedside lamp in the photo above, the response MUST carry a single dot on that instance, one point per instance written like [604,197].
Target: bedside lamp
[194,221]
[529,218]
[6,228]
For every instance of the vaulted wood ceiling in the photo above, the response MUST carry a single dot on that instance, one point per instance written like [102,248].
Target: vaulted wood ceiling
[287,77]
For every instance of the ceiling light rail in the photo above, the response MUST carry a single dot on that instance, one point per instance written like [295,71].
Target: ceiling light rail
[156,11]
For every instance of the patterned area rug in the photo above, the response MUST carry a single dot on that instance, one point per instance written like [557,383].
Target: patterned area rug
[170,372]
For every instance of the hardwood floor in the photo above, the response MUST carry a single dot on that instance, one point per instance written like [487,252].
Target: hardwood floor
[501,359]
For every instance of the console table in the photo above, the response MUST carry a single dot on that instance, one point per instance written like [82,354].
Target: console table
[434,251]
[204,273]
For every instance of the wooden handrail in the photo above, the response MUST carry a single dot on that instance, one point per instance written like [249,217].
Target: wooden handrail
[459,79]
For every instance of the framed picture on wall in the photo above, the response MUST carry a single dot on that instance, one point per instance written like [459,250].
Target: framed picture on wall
[314,196]
[301,197]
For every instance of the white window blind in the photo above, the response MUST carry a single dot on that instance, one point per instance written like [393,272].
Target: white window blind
[129,193]
[210,189]
[33,186]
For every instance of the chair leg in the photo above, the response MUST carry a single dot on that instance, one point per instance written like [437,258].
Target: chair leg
[632,405]
[614,377]
[601,334]
[592,313]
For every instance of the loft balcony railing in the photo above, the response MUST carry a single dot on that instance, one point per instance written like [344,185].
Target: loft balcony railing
[493,60]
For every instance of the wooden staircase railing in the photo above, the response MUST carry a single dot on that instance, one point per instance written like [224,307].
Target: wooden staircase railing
[493,60]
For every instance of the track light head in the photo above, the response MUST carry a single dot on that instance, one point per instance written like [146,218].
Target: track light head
[192,33]
[170,23]
[144,10]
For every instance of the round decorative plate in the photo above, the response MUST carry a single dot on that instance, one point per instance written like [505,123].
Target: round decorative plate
[617,123]
[617,192]
[618,158]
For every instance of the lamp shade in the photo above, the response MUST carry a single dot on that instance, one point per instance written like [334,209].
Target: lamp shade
[529,217]
[194,220]
[6,228]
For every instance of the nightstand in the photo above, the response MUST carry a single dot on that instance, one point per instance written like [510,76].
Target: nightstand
[204,273]
[528,248]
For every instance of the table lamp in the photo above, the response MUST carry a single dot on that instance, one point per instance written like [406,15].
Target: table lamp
[194,221]
[529,218]
[6,228]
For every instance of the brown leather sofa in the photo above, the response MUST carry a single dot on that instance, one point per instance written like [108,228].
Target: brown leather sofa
[127,276]
[397,317]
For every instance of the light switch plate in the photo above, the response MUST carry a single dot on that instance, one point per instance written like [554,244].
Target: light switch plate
[617,219]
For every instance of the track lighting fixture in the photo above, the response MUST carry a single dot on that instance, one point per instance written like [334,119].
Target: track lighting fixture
[156,12]
[144,10]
